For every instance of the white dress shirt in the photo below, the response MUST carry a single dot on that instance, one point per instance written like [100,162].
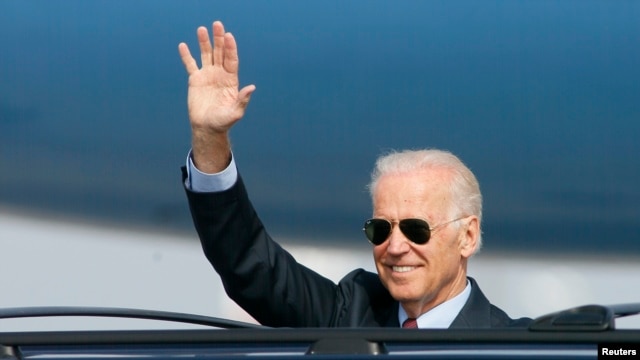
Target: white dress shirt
[198,181]
[441,316]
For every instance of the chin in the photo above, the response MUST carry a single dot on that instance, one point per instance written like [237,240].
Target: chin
[402,293]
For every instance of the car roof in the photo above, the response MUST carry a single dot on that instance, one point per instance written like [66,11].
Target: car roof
[579,333]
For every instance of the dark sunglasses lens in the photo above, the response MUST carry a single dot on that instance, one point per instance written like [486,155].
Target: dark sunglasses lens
[377,230]
[416,230]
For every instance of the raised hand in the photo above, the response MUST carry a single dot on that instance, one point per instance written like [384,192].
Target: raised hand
[215,102]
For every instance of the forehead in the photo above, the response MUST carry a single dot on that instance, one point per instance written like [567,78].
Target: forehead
[423,193]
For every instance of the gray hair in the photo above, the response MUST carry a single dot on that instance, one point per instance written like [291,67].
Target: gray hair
[464,187]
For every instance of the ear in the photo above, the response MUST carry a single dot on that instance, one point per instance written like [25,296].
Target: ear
[470,232]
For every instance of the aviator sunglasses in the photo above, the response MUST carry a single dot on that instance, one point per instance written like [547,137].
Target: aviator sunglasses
[416,230]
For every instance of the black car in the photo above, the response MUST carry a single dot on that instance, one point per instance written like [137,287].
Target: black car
[586,332]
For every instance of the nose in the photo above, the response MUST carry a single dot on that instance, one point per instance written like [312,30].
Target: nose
[398,243]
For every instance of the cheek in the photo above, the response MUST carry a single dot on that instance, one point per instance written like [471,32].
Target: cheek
[378,252]
[448,255]
[440,251]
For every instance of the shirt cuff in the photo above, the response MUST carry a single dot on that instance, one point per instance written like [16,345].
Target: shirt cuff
[197,181]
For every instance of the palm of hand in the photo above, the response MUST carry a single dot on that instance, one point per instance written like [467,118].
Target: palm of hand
[213,98]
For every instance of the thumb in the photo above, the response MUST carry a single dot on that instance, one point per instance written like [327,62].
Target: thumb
[245,95]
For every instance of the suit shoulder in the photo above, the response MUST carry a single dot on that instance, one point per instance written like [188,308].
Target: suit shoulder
[499,318]
[363,301]
[363,283]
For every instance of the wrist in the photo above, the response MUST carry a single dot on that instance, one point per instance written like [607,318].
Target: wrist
[211,153]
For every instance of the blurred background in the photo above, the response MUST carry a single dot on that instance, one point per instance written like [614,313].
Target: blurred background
[541,99]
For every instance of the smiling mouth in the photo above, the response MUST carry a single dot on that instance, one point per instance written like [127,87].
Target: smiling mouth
[402,269]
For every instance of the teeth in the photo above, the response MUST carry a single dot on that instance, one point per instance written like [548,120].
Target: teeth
[403,268]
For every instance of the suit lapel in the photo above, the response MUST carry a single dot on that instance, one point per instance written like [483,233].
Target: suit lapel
[476,313]
[392,316]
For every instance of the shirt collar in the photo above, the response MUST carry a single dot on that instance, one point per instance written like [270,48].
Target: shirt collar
[441,316]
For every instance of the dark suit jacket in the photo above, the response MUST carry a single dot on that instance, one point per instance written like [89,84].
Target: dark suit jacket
[269,284]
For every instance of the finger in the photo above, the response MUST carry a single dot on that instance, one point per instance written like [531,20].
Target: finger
[244,95]
[188,60]
[230,54]
[218,43]
[205,46]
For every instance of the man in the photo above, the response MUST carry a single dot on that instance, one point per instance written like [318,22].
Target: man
[426,225]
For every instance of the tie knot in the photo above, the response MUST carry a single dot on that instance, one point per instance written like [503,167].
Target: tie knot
[410,323]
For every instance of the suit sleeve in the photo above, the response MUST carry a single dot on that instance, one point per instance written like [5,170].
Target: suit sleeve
[258,274]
